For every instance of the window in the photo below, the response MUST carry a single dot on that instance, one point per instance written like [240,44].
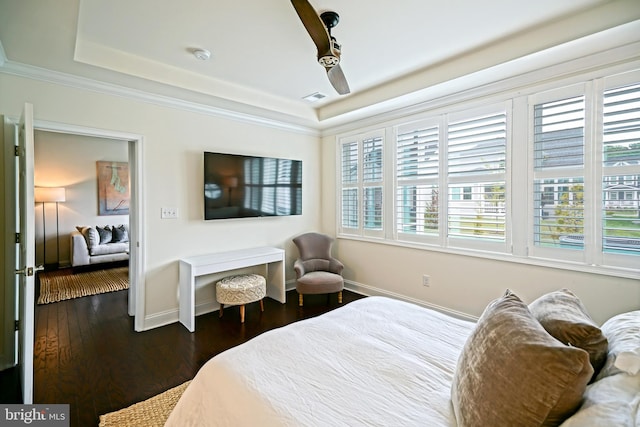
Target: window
[350,204]
[620,159]
[558,187]
[476,164]
[548,176]
[362,185]
[417,172]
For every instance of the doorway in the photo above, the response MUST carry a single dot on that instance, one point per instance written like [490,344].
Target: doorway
[133,150]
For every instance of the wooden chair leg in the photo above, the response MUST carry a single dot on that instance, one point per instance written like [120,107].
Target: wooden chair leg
[340,297]
[261,306]
[300,300]
[221,309]
[242,313]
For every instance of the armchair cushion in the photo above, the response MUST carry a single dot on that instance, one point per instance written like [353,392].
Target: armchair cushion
[319,282]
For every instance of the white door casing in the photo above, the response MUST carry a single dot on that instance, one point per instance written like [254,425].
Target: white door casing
[25,262]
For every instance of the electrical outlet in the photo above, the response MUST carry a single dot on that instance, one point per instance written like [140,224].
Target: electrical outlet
[169,213]
[425,280]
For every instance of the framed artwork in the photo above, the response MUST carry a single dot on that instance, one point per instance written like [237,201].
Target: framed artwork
[113,188]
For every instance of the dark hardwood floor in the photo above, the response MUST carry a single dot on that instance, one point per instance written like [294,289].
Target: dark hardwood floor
[87,354]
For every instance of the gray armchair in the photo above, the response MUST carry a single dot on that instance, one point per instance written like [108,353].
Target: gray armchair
[317,272]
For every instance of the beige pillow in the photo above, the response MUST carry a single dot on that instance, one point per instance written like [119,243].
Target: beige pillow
[513,373]
[90,235]
[564,316]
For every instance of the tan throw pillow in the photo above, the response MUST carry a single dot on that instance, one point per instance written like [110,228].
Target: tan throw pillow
[511,372]
[564,316]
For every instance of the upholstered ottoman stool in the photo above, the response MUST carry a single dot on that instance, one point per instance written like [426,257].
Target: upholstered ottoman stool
[240,290]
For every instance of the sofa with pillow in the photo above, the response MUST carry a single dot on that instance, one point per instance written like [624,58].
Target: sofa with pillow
[95,245]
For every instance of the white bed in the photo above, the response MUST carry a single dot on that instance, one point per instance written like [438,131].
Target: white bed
[384,362]
[374,362]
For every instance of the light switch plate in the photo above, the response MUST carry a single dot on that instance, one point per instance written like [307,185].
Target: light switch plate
[169,213]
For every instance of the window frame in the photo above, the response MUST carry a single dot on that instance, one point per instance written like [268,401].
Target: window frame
[518,246]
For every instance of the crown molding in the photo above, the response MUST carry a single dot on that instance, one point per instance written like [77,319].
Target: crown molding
[490,83]
[263,118]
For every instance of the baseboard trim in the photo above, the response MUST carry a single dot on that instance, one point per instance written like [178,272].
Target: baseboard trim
[172,316]
[367,290]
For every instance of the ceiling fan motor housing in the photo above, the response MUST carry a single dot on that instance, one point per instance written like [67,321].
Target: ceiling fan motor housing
[331,59]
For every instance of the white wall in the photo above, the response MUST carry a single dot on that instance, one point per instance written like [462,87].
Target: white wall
[69,161]
[173,144]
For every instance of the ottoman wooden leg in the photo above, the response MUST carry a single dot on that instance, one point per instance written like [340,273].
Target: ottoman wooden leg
[261,306]
[221,308]
[340,297]
[300,300]
[242,313]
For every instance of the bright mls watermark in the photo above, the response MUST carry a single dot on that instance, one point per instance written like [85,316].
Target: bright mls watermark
[34,415]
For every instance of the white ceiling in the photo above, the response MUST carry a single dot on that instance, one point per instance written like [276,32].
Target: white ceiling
[262,56]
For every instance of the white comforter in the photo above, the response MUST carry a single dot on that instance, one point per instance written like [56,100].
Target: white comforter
[375,362]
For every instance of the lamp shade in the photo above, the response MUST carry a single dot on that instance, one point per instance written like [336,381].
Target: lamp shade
[49,194]
[231,182]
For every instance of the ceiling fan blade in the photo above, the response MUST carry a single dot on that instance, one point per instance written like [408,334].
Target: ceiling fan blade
[314,25]
[338,80]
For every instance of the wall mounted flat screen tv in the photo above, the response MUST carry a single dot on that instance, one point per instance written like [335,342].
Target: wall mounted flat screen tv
[238,186]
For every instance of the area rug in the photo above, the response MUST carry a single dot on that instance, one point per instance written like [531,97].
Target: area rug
[149,413]
[61,285]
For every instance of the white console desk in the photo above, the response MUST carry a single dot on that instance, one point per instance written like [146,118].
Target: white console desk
[192,267]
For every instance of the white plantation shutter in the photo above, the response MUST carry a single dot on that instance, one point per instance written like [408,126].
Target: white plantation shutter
[349,166]
[476,151]
[621,162]
[372,180]
[558,187]
[350,208]
[372,162]
[417,172]
[559,133]
[349,163]
[362,204]
[417,153]
[372,211]
[477,146]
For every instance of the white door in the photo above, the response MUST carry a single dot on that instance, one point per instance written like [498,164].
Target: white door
[25,262]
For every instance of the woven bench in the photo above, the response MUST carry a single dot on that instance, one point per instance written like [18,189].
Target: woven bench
[240,290]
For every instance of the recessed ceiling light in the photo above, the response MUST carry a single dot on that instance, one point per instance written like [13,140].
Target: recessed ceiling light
[316,96]
[202,54]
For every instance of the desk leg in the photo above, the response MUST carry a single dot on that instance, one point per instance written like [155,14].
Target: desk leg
[187,297]
[275,281]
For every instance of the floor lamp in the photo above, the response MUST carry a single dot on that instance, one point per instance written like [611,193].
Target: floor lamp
[50,195]
[230,182]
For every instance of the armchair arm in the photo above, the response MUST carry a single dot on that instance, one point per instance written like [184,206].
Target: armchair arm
[335,266]
[298,266]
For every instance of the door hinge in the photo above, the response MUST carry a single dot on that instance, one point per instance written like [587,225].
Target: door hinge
[17,240]
[16,150]
[16,325]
